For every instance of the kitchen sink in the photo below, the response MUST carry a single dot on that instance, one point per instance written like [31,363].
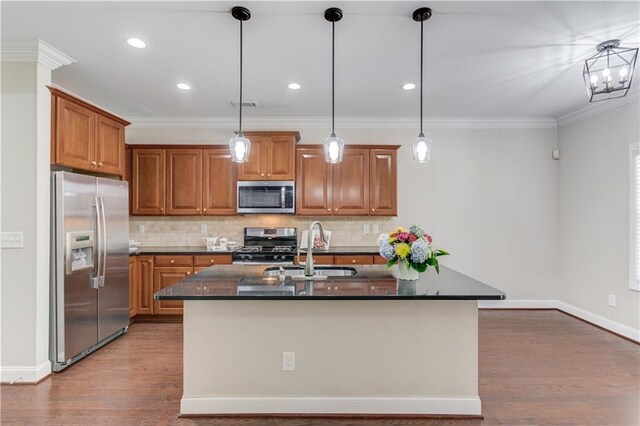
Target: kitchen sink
[319,271]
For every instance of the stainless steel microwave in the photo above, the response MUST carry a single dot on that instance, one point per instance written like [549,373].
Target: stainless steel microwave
[266,197]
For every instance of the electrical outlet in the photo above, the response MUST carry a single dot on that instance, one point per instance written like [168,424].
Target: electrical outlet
[365,228]
[376,228]
[288,361]
[12,240]
[612,300]
[141,229]
[203,228]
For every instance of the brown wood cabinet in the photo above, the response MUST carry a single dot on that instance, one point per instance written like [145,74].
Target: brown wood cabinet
[219,177]
[86,137]
[190,181]
[351,184]
[147,186]
[165,277]
[144,284]
[184,181]
[133,287]
[314,185]
[383,197]
[363,184]
[383,287]
[272,156]
[353,259]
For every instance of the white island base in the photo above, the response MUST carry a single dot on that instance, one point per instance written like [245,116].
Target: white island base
[358,357]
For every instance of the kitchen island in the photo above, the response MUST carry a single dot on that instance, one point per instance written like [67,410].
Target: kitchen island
[364,344]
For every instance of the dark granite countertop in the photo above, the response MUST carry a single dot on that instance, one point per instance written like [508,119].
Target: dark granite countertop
[203,250]
[372,282]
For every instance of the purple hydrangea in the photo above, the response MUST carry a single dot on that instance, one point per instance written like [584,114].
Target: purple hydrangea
[415,229]
[419,251]
[386,249]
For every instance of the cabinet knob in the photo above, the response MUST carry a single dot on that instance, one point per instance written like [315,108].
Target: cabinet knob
[204,210]
[172,261]
[188,272]
[195,272]
[92,162]
[198,209]
[100,164]
[335,210]
[373,210]
[328,209]
[161,209]
[353,261]
[268,174]
[373,288]
[261,174]
[212,261]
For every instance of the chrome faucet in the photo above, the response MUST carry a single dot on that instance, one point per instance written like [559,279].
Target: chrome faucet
[308,264]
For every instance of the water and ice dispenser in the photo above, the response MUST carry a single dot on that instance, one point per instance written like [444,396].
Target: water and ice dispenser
[79,251]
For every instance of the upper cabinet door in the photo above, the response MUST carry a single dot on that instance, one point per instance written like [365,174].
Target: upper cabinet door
[109,146]
[184,181]
[313,183]
[351,183]
[74,144]
[383,198]
[255,168]
[147,184]
[281,161]
[219,175]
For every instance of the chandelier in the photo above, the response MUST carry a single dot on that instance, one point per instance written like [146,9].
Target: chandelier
[608,73]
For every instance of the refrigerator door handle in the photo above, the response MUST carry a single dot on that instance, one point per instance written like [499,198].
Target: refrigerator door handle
[103,241]
[94,279]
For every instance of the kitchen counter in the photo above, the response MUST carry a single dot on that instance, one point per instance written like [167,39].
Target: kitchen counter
[240,282]
[203,250]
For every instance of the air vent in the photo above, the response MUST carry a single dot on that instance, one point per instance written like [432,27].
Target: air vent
[248,104]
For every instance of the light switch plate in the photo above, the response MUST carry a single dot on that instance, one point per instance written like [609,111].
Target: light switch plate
[140,229]
[288,361]
[365,228]
[203,228]
[12,240]
[376,228]
[612,300]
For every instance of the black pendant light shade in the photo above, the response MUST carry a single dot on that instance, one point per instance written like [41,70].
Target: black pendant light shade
[422,145]
[239,146]
[333,145]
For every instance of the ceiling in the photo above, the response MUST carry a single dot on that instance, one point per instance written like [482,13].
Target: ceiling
[482,59]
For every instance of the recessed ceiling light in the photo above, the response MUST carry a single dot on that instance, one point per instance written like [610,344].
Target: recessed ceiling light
[137,43]
[183,86]
[294,86]
[409,86]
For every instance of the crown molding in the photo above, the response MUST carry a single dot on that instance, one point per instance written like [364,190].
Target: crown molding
[593,109]
[33,50]
[296,123]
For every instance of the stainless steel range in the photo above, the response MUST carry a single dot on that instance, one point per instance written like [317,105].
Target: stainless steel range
[275,246]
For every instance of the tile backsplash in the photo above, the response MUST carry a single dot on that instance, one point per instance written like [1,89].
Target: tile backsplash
[185,231]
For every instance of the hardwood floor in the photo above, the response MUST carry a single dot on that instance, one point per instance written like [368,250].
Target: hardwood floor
[536,367]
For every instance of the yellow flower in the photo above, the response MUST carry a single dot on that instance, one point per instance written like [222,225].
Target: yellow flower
[400,229]
[403,250]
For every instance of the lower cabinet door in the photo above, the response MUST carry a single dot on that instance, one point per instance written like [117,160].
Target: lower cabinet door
[350,288]
[165,277]
[133,287]
[388,287]
[144,285]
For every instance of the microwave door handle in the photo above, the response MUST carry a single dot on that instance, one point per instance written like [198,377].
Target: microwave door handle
[103,274]
[283,198]
[94,279]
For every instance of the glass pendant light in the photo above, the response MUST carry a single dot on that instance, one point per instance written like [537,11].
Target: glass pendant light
[333,145]
[422,145]
[239,146]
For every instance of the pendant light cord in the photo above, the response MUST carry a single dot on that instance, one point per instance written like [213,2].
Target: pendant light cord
[333,79]
[240,122]
[421,72]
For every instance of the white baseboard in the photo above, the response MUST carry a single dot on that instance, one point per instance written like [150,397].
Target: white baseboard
[600,321]
[25,374]
[330,405]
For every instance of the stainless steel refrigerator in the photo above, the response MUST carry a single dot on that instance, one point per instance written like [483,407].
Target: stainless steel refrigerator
[89,265]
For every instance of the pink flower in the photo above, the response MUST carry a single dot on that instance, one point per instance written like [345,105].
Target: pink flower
[402,236]
[428,237]
[412,238]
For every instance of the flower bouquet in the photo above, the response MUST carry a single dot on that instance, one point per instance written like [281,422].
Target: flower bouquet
[411,250]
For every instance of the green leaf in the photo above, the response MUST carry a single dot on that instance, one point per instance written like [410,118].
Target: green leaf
[440,252]
[392,262]
[420,267]
[436,265]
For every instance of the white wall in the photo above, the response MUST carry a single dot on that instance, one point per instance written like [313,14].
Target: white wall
[25,208]
[594,213]
[488,196]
